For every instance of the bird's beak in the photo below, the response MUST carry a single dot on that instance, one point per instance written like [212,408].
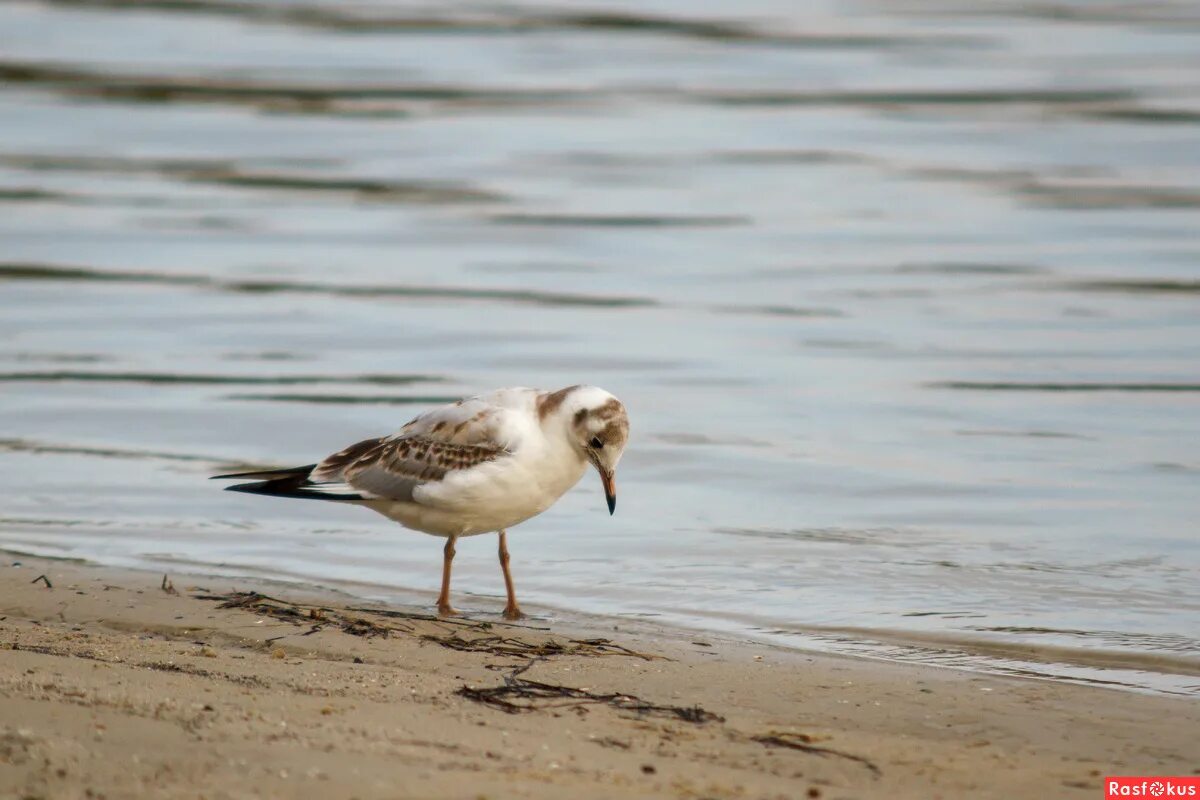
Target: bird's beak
[610,490]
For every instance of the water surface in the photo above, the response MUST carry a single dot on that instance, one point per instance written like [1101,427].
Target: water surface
[902,298]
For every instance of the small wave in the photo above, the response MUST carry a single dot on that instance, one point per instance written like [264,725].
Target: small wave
[47,272]
[1114,196]
[1118,13]
[346,399]
[1143,115]
[1020,434]
[516,20]
[1148,670]
[56,358]
[1070,190]
[700,439]
[969,268]
[788,156]
[618,220]
[902,98]
[779,311]
[1157,642]
[238,175]
[889,537]
[266,95]
[364,188]
[1048,386]
[1136,286]
[27,446]
[75,376]
[31,195]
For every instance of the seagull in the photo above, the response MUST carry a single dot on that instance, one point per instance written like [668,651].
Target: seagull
[479,465]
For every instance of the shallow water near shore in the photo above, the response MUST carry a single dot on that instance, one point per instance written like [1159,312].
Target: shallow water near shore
[902,297]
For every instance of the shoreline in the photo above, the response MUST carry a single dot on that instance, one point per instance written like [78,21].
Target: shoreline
[120,685]
[1143,672]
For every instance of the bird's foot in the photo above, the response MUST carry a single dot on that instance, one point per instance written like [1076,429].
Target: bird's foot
[513,613]
[446,610]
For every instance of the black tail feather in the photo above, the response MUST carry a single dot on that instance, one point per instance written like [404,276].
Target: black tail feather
[292,482]
[281,489]
[271,474]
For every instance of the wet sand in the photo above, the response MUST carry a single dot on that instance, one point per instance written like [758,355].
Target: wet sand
[114,686]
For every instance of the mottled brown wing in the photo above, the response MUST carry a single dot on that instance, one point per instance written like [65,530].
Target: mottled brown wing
[473,421]
[393,467]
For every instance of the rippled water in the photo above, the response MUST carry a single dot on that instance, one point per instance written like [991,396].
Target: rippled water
[903,298]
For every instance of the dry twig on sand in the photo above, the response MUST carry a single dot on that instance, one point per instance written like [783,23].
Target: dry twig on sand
[801,742]
[454,635]
[511,646]
[518,695]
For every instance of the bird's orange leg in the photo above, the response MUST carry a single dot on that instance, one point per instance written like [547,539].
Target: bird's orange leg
[443,601]
[511,609]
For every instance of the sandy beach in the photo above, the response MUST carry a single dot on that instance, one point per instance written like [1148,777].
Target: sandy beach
[118,684]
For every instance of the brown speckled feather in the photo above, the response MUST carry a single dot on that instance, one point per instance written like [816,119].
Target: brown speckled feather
[441,441]
[391,468]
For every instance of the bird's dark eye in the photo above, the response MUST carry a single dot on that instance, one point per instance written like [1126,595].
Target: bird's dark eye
[597,443]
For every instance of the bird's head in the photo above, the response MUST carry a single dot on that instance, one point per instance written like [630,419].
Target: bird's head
[597,427]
